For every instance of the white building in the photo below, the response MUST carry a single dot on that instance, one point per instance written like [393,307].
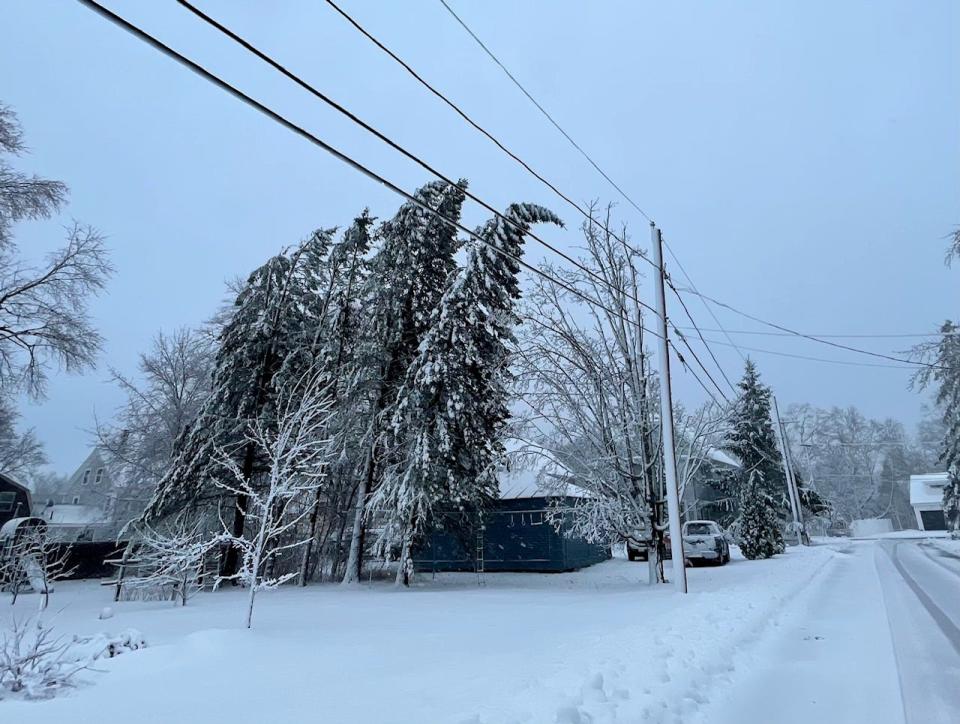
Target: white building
[926,497]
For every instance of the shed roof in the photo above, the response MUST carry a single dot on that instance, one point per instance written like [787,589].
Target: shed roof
[529,483]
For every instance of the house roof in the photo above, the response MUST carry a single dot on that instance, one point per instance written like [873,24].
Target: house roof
[14,484]
[927,488]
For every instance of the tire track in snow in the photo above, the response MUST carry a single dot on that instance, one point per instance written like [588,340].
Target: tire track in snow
[939,616]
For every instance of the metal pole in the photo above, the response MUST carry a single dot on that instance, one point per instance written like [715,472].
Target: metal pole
[666,421]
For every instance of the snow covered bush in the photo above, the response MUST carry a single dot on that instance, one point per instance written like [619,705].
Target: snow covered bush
[951,503]
[107,646]
[171,556]
[34,663]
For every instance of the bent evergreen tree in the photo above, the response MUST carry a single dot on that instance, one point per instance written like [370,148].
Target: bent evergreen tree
[252,348]
[446,426]
[408,276]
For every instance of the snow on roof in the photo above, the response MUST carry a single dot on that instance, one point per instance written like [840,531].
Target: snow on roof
[927,489]
[724,458]
[529,483]
[73,514]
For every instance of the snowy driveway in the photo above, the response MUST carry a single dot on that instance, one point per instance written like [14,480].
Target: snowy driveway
[877,643]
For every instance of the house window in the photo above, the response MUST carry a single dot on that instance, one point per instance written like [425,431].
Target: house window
[86,477]
[99,476]
[6,502]
[76,500]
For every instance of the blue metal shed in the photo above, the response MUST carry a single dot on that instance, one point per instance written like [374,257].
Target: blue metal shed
[517,534]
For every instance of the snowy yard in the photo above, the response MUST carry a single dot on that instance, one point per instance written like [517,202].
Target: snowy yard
[593,646]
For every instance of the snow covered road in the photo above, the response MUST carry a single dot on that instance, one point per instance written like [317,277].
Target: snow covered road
[875,642]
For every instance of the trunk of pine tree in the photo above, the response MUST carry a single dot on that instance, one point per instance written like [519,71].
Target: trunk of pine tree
[404,572]
[231,559]
[308,548]
[355,558]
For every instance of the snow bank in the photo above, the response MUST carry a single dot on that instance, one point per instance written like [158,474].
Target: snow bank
[868,527]
[594,646]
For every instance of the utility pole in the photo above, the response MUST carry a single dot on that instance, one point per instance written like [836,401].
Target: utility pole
[666,420]
[792,493]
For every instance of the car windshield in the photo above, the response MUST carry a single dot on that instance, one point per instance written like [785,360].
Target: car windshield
[700,529]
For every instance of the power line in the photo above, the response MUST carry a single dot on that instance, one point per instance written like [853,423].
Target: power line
[705,344]
[356,165]
[686,368]
[476,126]
[390,142]
[816,359]
[826,336]
[544,112]
[702,366]
[634,204]
[795,333]
[702,300]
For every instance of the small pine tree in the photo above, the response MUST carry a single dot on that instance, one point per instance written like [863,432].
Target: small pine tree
[758,526]
[761,483]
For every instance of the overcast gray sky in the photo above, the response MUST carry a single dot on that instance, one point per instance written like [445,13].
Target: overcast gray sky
[802,158]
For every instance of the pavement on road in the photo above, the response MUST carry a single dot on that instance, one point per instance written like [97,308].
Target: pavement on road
[876,642]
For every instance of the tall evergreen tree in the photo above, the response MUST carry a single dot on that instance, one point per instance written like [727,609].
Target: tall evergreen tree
[761,480]
[408,275]
[449,415]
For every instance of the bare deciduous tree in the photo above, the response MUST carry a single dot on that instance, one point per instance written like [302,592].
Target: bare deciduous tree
[295,447]
[175,380]
[588,389]
[20,452]
[169,556]
[44,318]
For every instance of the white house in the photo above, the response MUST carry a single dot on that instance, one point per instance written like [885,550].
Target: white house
[926,497]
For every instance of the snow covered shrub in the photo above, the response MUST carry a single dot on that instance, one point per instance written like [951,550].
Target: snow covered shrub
[951,503]
[106,646]
[35,664]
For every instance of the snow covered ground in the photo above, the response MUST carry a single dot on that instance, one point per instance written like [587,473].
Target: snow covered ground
[597,645]
[845,631]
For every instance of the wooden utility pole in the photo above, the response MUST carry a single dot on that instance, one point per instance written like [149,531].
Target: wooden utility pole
[792,492]
[666,421]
